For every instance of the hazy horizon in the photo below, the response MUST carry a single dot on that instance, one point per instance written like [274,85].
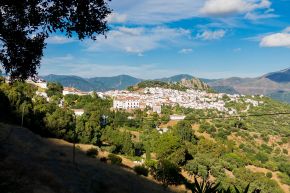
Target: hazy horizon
[163,76]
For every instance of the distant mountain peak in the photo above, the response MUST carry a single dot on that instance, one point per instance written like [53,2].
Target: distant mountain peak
[176,78]
[286,70]
[282,76]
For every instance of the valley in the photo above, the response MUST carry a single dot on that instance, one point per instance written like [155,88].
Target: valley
[220,144]
[275,85]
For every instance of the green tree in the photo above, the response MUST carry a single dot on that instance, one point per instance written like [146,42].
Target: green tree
[166,144]
[285,167]
[26,24]
[54,89]
[61,123]
[167,173]
[183,130]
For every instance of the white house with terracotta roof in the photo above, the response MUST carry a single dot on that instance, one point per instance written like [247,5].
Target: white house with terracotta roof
[70,90]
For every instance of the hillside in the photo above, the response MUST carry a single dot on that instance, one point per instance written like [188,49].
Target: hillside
[281,76]
[221,150]
[97,83]
[30,163]
[176,78]
[275,85]
[115,82]
[182,85]
[107,83]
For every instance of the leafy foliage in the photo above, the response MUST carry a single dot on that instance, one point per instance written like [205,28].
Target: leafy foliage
[92,152]
[117,160]
[24,26]
[141,170]
[54,89]
[167,173]
[222,149]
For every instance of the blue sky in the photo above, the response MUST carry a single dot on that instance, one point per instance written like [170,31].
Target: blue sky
[160,38]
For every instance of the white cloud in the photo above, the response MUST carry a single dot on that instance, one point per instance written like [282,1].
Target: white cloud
[138,40]
[164,11]
[287,30]
[256,16]
[226,7]
[117,18]
[57,59]
[276,40]
[185,51]
[156,11]
[211,35]
[59,40]
[281,39]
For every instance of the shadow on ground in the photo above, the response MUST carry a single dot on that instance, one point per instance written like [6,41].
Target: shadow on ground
[33,164]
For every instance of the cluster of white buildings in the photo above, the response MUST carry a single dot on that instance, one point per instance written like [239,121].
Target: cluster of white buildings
[74,91]
[156,97]
[37,82]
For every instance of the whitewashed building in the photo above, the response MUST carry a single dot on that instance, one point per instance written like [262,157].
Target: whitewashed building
[74,91]
[177,117]
[156,108]
[41,84]
[69,90]
[78,112]
[162,130]
[126,103]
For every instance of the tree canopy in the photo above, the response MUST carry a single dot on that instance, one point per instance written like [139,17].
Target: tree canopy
[25,24]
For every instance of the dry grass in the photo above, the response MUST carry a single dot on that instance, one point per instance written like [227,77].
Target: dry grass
[30,163]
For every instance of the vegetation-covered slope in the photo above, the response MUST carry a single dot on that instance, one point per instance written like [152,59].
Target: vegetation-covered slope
[222,150]
[275,85]
[96,84]
[183,84]
[30,163]
[281,76]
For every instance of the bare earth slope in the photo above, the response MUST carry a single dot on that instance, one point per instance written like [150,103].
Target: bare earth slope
[33,164]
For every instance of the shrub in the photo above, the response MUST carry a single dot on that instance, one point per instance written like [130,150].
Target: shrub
[92,152]
[284,140]
[265,138]
[271,165]
[285,167]
[269,174]
[103,159]
[151,164]
[262,157]
[115,159]
[202,171]
[168,173]
[285,179]
[277,151]
[141,170]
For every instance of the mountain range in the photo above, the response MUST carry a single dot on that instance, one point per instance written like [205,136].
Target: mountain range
[275,84]
[97,83]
